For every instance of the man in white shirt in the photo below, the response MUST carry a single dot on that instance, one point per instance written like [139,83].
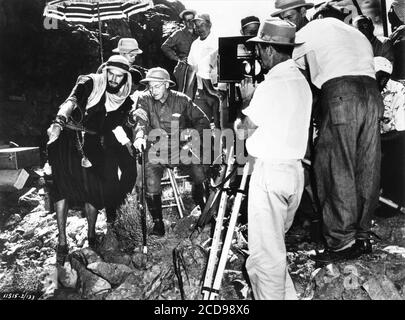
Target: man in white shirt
[277,122]
[339,60]
[202,59]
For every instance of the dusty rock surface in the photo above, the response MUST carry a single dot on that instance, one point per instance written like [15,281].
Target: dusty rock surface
[174,266]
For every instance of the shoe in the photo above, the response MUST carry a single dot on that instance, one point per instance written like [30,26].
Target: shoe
[158,228]
[61,253]
[330,256]
[364,245]
[92,242]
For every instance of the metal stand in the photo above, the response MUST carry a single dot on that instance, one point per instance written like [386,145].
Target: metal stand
[229,234]
[209,273]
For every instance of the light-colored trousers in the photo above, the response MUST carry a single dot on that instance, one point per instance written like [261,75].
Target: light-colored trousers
[275,192]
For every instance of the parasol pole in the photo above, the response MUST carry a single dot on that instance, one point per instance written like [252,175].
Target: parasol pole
[99,30]
[384,17]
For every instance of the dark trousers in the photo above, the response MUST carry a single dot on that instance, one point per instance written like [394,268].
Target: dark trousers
[208,102]
[154,174]
[116,188]
[347,158]
[392,166]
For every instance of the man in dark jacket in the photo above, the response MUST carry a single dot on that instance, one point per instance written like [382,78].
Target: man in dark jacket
[167,113]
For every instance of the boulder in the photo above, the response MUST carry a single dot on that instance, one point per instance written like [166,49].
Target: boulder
[67,276]
[114,273]
[381,288]
[128,290]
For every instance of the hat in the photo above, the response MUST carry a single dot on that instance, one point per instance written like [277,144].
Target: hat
[361,17]
[203,16]
[127,45]
[187,11]
[249,20]
[332,10]
[284,5]
[157,74]
[382,64]
[118,62]
[276,32]
[399,8]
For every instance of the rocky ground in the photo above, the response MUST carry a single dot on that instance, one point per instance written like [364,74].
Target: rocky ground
[174,265]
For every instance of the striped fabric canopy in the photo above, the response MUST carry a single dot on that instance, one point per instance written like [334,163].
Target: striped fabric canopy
[93,10]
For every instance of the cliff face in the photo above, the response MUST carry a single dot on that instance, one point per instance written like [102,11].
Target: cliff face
[40,59]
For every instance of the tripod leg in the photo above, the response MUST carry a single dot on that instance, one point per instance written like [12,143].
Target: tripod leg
[209,273]
[229,234]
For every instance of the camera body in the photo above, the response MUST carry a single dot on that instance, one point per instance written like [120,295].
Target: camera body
[236,59]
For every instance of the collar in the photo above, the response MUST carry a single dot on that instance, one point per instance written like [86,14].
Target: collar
[280,68]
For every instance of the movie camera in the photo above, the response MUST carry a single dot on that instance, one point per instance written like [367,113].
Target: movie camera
[237,60]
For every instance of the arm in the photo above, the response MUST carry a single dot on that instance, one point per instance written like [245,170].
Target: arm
[244,128]
[141,115]
[66,108]
[196,116]
[168,47]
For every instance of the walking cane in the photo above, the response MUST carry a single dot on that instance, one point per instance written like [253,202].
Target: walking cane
[142,203]
[206,289]
[229,234]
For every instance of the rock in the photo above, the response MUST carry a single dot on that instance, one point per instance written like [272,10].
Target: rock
[109,242]
[67,276]
[395,272]
[128,290]
[90,256]
[381,289]
[90,284]
[28,234]
[30,198]
[118,257]
[139,260]
[391,230]
[114,273]
[234,286]
[80,239]
[15,237]
[190,263]
[157,281]
[327,275]
[13,220]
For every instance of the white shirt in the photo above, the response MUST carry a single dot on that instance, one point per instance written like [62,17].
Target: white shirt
[281,108]
[394,107]
[333,49]
[203,57]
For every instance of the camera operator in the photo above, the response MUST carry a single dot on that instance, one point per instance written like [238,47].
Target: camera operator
[276,126]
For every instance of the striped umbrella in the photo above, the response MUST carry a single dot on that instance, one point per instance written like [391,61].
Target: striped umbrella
[88,11]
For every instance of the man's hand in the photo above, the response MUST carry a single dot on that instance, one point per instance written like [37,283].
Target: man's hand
[139,143]
[53,132]
[140,114]
[244,128]
[130,149]
[247,88]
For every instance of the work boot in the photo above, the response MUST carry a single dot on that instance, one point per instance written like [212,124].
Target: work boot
[200,193]
[111,215]
[158,228]
[154,203]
